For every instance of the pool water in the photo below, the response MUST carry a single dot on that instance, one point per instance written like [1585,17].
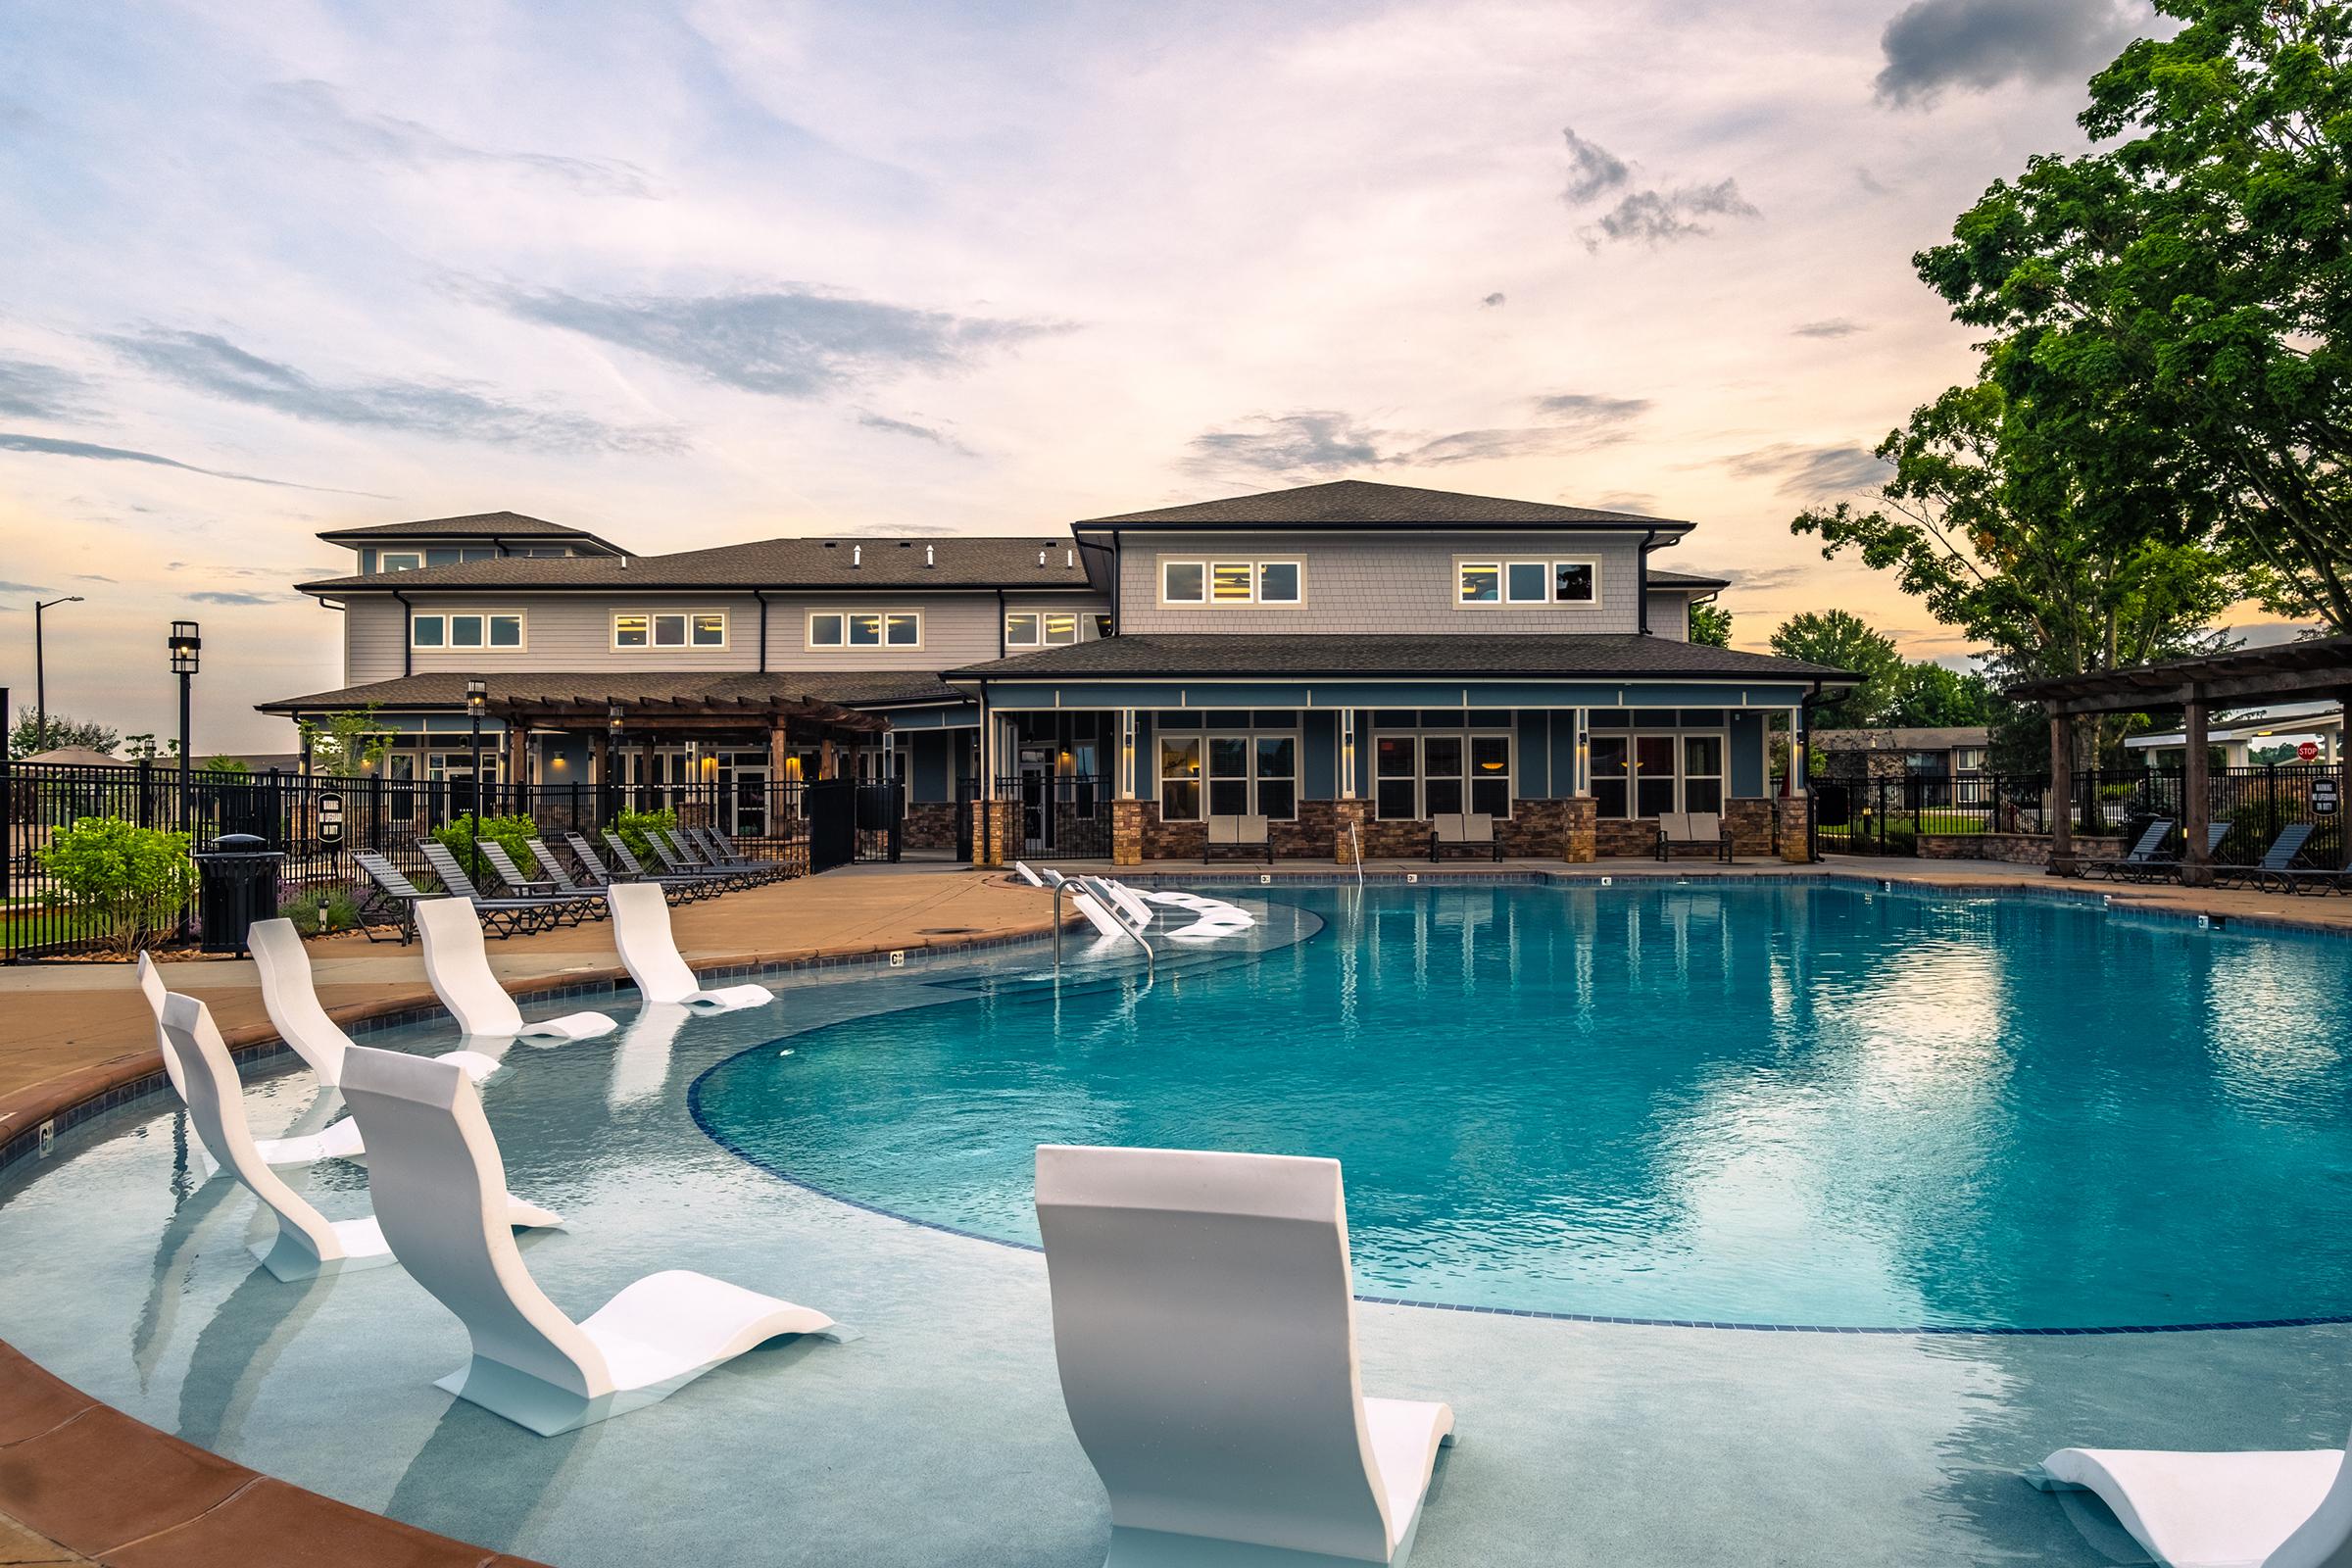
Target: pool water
[1812,1105]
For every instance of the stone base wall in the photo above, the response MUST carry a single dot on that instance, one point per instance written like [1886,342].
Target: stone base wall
[1579,841]
[1171,840]
[928,826]
[1796,828]
[1127,832]
[2016,848]
[1615,838]
[1536,831]
[1751,822]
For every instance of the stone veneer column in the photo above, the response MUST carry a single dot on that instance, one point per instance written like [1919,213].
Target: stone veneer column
[999,821]
[1344,845]
[1797,821]
[1126,832]
[1579,836]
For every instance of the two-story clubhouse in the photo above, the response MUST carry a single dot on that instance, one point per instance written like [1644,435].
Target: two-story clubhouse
[1335,658]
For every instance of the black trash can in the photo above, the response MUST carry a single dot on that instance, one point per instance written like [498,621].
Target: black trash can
[236,884]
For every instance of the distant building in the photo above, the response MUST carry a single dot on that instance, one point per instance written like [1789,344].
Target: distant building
[2242,735]
[1894,752]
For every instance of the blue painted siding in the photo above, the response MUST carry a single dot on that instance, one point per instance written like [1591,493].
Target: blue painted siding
[1319,742]
[927,764]
[1534,779]
[1747,756]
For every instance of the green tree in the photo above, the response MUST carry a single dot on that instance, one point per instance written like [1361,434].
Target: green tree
[1924,695]
[1712,624]
[230,766]
[142,747]
[25,738]
[2184,293]
[1843,641]
[134,880]
[345,743]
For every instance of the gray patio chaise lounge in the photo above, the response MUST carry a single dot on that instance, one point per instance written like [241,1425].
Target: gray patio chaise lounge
[1682,830]
[554,910]
[679,860]
[716,852]
[2143,859]
[706,883]
[676,889]
[1464,833]
[697,853]
[393,889]
[1250,835]
[2282,853]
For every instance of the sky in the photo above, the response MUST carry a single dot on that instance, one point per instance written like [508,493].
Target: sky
[686,274]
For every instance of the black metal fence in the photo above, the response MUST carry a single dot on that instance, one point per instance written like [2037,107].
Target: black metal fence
[1061,814]
[321,824]
[1888,814]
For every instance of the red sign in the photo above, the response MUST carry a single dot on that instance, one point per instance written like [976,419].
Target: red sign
[2309,751]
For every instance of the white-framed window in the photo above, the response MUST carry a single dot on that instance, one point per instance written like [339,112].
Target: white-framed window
[500,630]
[1478,582]
[1651,761]
[1230,582]
[1041,628]
[400,561]
[1437,772]
[1576,581]
[671,629]
[1555,581]
[866,628]
[1230,773]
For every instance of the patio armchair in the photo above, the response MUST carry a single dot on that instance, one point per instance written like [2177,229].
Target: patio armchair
[1464,833]
[1684,830]
[1252,835]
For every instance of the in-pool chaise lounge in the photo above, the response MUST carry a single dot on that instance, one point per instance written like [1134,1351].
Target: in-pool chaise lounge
[436,1180]
[458,964]
[291,997]
[340,1141]
[2219,1510]
[308,1244]
[641,931]
[1206,1333]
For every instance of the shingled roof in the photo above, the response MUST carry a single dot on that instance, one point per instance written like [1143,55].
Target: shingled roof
[447,689]
[1579,655]
[837,563]
[472,526]
[1359,503]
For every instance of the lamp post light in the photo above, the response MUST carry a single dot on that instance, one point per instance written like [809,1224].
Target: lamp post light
[477,698]
[611,780]
[40,670]
[184,645]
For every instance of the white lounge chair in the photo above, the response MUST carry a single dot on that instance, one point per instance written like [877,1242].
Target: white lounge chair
[437,1178]
[308,1244]
[1021,870]
[339,1140]
[458,964]
[1206,1333]
[292,1000]
[641,931]
[2219,1510]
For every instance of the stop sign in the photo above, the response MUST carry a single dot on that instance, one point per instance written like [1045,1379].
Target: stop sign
[2309,751]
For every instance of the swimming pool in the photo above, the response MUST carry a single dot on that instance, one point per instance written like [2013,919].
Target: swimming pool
[1755,1105]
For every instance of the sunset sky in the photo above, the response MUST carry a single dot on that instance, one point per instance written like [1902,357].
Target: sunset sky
[699,273]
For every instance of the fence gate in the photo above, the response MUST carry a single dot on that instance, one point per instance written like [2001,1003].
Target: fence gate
[881,816]
[831,807]
[1066,814]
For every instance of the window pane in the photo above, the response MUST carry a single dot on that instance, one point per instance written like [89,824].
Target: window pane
[441,557]
[1703,795]
[1229,797]
[402,563]
[1526,582]
[824,631]
[465,631]
[1179,780]
[1653,795]
[1394,757]
[1229,582]
[1572,582]
[905,631]
[1180,758]
[669,631]
[1180,802]
[1481,585]
[1228,756]
[1097,626]
[709,631]
[1277,797]
[1491,796]
[1178,718]
[1608,798]
[1020,629]
[1060,629]
[1490,757]
[1393,799]
[426,631]
[483,553]
[1277,757]
[1442,794]
[1442,756]
[505,631]
[1278,582]
[1701,717]
[1181,582]
[865,631]
[1441,718]
[628,631]
[1702,756]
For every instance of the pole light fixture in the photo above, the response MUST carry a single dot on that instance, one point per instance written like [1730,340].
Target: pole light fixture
[40,670]
[184,646]
[477,698]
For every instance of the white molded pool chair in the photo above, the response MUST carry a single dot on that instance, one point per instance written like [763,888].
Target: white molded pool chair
[641,931]
[458,964]
[339,1140]
[292,999]
[1206,1333]
[1021,870]
[2219,1510]
[437,1177]
[308,1243]
[1101,918]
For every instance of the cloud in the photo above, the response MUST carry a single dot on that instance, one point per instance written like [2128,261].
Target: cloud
[1492,299]
[11,441]
[1316,441]
[218,596]
[315,113]
[214,366]
[1869,182]
[91,576]
[1325,441]
[1635,501]
[1982,44]
[921,432]
[1657,216]
[1765,579]
[797,341]
[1591,170]
[1834,326]
[24,588]
[30,391]
[1814,473]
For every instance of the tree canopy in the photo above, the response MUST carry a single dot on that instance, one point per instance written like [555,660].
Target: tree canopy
[26,738]
[1843,639]
[1712,624]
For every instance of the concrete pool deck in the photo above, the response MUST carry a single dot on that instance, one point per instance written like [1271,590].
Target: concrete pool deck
[1816,1448]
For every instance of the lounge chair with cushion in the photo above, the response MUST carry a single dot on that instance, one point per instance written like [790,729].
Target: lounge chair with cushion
[1463,832]
[2290,1509]
[338,1140]
[641,931]
[2285,849]
[457,964]
[1206,1334]
[291,999]
[2145,855]
[437,1186]
[1247,835]
[308,1244]
[1686,830]
[552,912]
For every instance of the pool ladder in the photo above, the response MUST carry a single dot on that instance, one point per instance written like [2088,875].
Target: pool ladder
[1118,917]
[1356,840]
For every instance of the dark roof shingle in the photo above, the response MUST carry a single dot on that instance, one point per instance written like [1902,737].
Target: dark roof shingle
[447,688]
[1569,655]
[472,526]
[823,564]
[1359,501]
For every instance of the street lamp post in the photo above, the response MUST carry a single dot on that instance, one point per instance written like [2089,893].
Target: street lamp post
[477,698]
[613,719]
[40,671]
[184,644]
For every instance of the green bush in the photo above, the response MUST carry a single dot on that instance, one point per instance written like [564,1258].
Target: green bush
[134,880]
[321,912]
[510,832]
[631,826]
[1903,840]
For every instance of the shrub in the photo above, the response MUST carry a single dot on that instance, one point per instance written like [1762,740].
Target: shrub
[134,880]
[1903,840]
[512,833]
[321,912]
[631,826]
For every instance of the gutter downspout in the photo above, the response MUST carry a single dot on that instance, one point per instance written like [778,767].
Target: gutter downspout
[1642,578]
[1000,647]
[407,635]
[760,594]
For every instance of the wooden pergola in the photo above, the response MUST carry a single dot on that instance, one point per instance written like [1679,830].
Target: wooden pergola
[2244,678]
[782,719]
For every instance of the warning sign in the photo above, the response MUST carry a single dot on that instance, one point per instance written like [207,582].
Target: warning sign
[330,818]
[2322,796]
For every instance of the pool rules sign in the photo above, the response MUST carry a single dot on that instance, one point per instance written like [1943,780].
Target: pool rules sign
[330,818]
[2322,796]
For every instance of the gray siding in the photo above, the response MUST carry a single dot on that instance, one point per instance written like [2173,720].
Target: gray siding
[372,629]
[1386,582]
[575,632]
[957,628]
[1670,615]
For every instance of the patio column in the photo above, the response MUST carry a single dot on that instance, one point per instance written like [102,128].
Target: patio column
[1347,754]
[827,761]
[1581,842]
[2196,787]
[1125,761]
[2062,794]
[518,755]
